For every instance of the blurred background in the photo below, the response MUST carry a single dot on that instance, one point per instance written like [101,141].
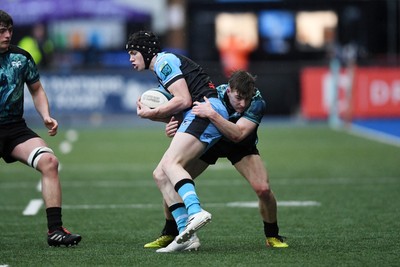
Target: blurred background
[321,65]
[335,61]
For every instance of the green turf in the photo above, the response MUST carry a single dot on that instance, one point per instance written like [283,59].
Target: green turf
[111,200]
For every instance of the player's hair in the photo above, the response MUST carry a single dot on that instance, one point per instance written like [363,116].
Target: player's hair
[244,83]
[5,19]
[146,42]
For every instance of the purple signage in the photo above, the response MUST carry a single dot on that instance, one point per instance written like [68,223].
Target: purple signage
[31,11]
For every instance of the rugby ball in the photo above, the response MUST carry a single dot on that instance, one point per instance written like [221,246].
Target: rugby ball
[155,97]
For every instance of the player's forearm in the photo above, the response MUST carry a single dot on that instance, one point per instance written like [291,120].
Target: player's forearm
[41,103]
[229,129]
[174,106]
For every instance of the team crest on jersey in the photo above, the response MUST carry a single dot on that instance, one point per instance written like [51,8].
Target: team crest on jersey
[166,69]
[16,64]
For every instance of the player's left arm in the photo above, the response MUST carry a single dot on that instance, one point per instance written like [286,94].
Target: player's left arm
[41,103]
[182,99]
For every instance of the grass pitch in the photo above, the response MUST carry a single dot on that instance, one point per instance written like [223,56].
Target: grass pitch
[109,198]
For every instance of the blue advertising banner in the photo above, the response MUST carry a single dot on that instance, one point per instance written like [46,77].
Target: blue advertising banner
[93,92]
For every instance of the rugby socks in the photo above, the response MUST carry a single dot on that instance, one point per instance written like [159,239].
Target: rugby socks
[271,229]
[170,228]
[186,190]
[54,221]
[180,215]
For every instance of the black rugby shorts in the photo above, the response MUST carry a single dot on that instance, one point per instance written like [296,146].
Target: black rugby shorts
[12,135]
[234,152]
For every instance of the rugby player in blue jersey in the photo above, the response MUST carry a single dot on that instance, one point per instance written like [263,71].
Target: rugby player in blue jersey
[20,143]
[246,108]
[188,83]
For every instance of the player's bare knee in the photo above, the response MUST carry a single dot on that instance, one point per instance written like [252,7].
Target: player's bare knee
[263,191]
[43,159]
[49,163]
[158,175]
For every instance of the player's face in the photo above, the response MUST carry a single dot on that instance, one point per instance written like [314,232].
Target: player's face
[136,59]
[5,37]
[239,103]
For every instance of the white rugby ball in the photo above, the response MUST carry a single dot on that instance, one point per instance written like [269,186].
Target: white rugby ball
[154,98]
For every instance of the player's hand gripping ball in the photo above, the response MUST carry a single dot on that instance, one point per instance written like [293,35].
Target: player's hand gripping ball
[155,97]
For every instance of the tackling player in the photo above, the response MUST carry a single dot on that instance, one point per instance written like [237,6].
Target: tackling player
[17,141]
[246,108]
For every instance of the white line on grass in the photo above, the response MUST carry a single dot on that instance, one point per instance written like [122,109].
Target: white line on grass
[250,204]
[113,166]
[298,203]
[33,207]
[254,204]
[374,135]
[7,185]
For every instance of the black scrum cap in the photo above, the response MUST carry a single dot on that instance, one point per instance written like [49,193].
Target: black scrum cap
[146,43]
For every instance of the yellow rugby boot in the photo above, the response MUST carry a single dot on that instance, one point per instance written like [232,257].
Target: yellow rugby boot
[276,242]
[161,242]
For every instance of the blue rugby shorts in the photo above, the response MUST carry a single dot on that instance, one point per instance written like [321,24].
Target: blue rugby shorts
[202,128]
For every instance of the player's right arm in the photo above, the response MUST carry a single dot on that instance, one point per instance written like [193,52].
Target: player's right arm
[235,132]
[41,104]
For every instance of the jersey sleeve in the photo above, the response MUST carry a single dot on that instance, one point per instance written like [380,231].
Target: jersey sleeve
[256,110]
[167,69]
[31,73]
[221,89]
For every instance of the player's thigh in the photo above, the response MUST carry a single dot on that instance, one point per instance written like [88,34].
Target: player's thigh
[184,148]
[22,151]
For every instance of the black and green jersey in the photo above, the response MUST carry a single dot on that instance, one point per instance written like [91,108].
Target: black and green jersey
[16,68]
